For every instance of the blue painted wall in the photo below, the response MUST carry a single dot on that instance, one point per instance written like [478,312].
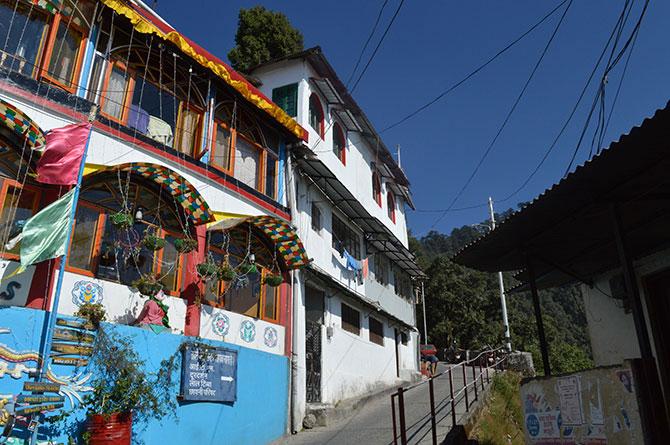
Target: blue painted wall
[257,417]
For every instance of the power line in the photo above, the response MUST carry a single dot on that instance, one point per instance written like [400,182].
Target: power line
[379,44]
[570,116]
[509,113]
[476,70]
[367,42]
[459,209]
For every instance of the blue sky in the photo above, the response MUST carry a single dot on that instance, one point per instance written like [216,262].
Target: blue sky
[432,45]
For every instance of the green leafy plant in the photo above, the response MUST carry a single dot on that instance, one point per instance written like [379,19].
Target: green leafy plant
[206,270]
[225,272]
[148,285]
[274,280]
[153,242]
[94,313]
[185,245]
[246,268]
[122,220]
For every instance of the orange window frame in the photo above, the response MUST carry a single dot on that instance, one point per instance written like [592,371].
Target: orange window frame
[53,32]
[270,158]
[179,127]
[158,260]
[125,108]
[3,195]
[276,296]
[231,147]
[260,178]
[44,42]
[94,255]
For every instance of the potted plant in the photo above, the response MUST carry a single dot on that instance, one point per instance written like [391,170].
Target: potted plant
[152,241]
[94,313]
[185,245]
[122,220]
[206,270]
[226,271]
[273,279]
[148,285]
[124,392]
[247,267]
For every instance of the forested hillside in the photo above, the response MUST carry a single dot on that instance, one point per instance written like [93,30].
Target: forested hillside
[464,304]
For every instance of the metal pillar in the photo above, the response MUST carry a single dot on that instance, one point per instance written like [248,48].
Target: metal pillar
[425,329]
[544,349]
[501,285]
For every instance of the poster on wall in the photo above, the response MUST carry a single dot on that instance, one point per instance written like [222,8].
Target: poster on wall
[208,374]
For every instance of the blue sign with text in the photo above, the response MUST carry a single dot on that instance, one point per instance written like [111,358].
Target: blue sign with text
[208,374]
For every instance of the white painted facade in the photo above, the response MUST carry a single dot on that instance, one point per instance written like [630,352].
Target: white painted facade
[351,364]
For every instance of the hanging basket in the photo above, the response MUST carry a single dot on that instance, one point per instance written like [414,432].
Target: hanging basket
[148,285]
[122,220]
[274,280]
[153,242]
[185,245]
[207,270]
[247,268]
[226,273]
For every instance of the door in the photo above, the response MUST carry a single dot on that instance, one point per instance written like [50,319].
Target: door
[313,323]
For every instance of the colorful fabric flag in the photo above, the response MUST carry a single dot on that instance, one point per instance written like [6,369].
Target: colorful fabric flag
[44,234]
[60,161]
[366,267]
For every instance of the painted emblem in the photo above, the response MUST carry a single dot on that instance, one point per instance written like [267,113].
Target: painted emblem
[220,324]
[86,292]
[248,331]
[9,293]
[270,337]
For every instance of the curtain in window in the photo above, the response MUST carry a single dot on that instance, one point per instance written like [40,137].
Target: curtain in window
[115,94]
[65,52]
[247,162]
[190,121]
[221,156]
[23,47]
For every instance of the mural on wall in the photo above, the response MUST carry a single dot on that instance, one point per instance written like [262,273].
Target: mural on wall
[270,337]
[14,291]
[248,331]
[86,292]
[220,324]
[597,406]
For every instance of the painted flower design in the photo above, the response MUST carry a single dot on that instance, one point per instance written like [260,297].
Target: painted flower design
[86,292]
[220,324]
[248,331]
[270,337]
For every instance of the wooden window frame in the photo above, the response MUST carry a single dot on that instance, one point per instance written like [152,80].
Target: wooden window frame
[44,41]
[371,333]
[377,187]
[125,108]
[158,260]
[390,204]
[322,126]
[345,325]
[179,129]
[268,157]
[94,254]
[51,41]
[263,299]
[337,129]
[261,168]
[231,148]
[3,195]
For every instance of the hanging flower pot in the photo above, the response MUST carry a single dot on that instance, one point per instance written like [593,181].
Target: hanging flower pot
[113,429]
[247,268]
[122,220]
[153,242]
[148,285]
[274,280]
[185,245]
[225,272]
[207,269]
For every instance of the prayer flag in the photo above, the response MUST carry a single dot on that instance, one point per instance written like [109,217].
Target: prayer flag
[44,234]
[60,161]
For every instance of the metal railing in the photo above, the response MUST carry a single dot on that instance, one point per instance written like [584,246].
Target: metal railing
[417,430]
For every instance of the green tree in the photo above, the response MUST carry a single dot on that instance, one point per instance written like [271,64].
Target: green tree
[263,35]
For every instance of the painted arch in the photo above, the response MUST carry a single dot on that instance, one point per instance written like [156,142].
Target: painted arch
[24,127]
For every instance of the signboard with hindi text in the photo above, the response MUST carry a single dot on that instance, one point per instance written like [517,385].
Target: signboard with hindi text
[208,374]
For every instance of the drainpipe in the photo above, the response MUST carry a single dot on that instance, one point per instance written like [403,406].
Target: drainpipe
[295,283]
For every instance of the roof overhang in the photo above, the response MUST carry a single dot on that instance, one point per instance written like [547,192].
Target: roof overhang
[327,90]
[568,231]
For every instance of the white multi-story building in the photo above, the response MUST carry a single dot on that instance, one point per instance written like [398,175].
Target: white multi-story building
[354,330]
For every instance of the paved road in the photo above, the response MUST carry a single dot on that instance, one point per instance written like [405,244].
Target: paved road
[372,424]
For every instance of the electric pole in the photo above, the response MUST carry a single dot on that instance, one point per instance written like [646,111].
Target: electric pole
[503,304]
[423,302]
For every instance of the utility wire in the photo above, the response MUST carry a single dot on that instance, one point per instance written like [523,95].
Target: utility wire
[367,42]
[570,116]
[509,114]
[379,44]
[476,70]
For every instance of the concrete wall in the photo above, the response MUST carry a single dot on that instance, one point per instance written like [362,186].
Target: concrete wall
[262,383]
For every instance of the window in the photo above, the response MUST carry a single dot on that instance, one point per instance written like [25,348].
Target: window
[220,156]
[247,162]
[316,115]
[376,329]
[152,112]
[404,338]
[351,319]
[188,130]
[339,143]
[345,238]
[381,266]
[377,188]
[316,218]
[287,98]
[24,32]
[402,284]
[85,242]
[271,176]
[18,206]
[390,205]
[115,94]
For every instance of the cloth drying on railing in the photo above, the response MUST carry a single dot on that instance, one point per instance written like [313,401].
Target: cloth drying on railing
[159,130]
[138,119]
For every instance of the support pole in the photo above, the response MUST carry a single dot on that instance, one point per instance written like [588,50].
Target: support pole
[501,285]
[544,349]
[425,329]
[433,426]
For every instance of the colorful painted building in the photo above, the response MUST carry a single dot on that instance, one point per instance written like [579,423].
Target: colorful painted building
[191,151]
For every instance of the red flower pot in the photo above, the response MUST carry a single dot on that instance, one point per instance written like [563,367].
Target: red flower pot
[115,429]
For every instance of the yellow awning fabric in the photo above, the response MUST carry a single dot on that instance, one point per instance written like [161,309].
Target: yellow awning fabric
[279,232]
[143,25]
